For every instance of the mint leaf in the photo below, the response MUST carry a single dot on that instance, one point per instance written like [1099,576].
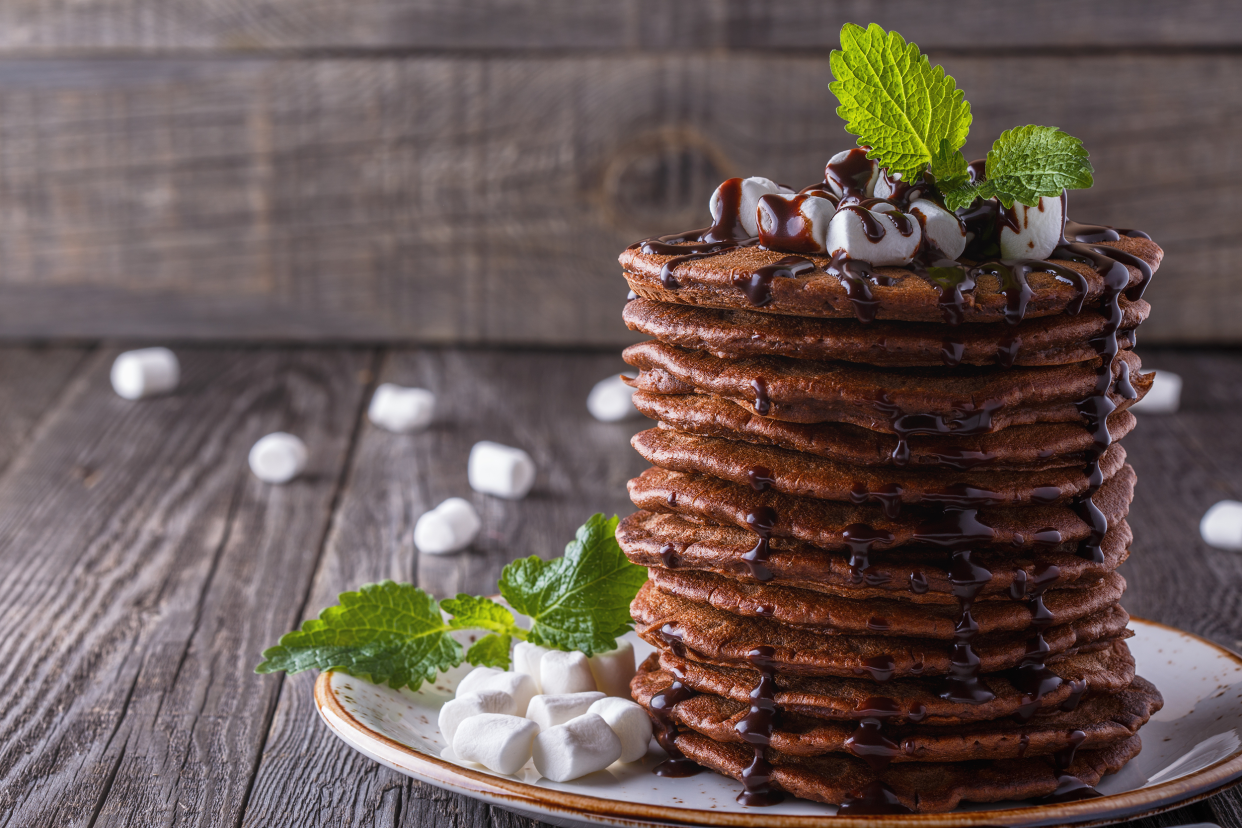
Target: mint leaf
[471,612]
[1028,162]
[895,101]
[490,651]
[582,600]
[948,165]
[387,633]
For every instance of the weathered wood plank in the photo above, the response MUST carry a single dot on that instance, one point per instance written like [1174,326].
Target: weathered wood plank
[529,399]
[145,569]
[484,200]
[534,25]
[31,380]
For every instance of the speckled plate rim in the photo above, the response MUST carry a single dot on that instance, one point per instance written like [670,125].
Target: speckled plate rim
[538,801]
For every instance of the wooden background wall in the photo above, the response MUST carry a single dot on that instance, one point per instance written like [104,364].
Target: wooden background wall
[467,170]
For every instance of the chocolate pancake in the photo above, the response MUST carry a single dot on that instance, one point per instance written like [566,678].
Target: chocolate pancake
[795,473]
[722,638]
[966,400]
[879,616]
[718,281]
[1081,675]
[918,575]
[825,523]
[925,787]
[1029,447]
[733,334]
[1101,721]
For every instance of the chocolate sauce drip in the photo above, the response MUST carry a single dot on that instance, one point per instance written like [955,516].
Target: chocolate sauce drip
[878,624]
[761,520]
[918,582]
[1023,744]
[822,190]
[901,221]
[782,225]
[861,539]
[760,478]
[756,727]
[758,285]
[950,279]
[963,684]
[881,668]
[968,420]
[1069,789]
[951,352]
[728,223]
[889,498]
[876,799]
[1032,678]
[962,496]
[1077,688]
[1065,757]
[851,174]
[1012,273]
[661,705]
[1007,350]
[954,529]
[962,459]
[667,553]
[1123,386]
[868,742]
[763,403]
[903,194]
[857,277]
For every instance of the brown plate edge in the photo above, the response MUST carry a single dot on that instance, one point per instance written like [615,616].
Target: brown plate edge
[1175,793]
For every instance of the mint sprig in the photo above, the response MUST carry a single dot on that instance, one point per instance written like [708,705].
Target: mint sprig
[397,634]
[913,119]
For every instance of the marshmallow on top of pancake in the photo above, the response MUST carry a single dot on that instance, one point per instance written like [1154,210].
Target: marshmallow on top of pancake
[753,189]
[875,231]
[1039,229]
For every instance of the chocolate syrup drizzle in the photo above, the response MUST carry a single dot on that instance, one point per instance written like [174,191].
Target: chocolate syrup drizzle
[761,520]
[661,705]
[756,728]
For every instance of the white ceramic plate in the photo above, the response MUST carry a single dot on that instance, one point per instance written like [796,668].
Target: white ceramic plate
[1191,749]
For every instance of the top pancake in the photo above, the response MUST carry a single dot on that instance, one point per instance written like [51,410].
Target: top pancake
[730,334]
[708,282]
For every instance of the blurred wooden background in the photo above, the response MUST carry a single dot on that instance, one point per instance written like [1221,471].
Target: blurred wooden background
[467,171]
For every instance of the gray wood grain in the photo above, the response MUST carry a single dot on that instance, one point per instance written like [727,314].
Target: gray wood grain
[533,400]
[538,25]
[145,568]
[31,381]
[484,199]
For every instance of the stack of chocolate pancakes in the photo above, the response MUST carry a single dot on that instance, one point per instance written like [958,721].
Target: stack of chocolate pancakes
[885,513]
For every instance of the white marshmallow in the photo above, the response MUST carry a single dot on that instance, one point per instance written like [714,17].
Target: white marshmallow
[816,213]
[497,742]
[631,724]
[526,658]
[482,679]
[753,189]
[1163,397]
[578,747]
[883,187]
[499,470]
[450,527]
[613,670]
[145,373]
[845,233]
[562,672]
[1222,525]
[551,710]
[940,227]
[400,409]
[278,458]
[611,400]
[455,711]
[872,183]
[1041,230]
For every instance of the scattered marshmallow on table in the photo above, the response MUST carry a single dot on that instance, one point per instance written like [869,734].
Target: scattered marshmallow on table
[500,470]
[401,409]
[497,742]
[278,458]
[1164,397]
[518,685]
[562,672]
[630,722]
[611,400]
[578,747]
[450,527]
[145,373]
[1221,525]
[455,711]
[526,658]
[613,670]
[550,710]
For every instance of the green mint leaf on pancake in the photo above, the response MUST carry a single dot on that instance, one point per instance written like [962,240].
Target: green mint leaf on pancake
[948,167]
[490,651]
[1031,161]
[580,601]
[899,105]
[386,633]
[474,613]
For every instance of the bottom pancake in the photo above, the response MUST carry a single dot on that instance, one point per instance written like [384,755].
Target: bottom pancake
[1093,724]
[924,787]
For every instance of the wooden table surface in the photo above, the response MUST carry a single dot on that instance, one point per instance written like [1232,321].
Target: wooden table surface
[143,569]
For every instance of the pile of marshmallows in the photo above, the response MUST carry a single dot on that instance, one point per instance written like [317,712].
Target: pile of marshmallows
[493,468]
[571,714]
[825,229]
